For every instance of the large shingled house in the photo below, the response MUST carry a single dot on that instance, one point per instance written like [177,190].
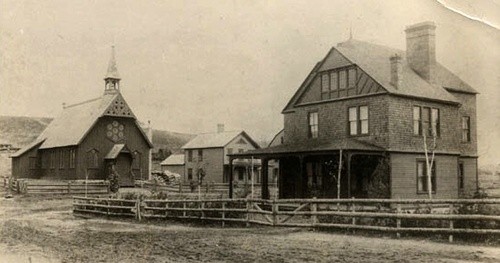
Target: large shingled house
[373,105]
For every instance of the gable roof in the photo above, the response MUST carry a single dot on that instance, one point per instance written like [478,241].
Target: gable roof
[76,120]
[174,159]
[374,60]
[216,140]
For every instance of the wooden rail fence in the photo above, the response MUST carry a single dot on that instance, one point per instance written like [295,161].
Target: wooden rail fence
[58,187]
[385,215]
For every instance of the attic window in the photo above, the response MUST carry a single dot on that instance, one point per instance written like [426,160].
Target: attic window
[338,80]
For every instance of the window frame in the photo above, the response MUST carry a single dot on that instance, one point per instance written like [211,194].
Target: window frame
[52,164]
[433,174]
[72,158]
[358,121]
[430,122]
[326,78]
[200,155]
[310,132]
[461,176]
[189,155]
[466,129]
[93,159]
[190,174]
[32,163]
[62,158]
[137,161]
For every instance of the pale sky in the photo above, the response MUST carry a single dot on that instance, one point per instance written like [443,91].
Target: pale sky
[188,65]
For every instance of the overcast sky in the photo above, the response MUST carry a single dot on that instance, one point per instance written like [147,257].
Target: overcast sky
[188,65]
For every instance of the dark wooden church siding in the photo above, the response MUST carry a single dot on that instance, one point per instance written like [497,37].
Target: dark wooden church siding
[97,139]
[61,168]
[21,165]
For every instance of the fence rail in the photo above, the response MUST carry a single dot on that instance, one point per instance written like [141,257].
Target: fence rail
[57,187]
[367,214]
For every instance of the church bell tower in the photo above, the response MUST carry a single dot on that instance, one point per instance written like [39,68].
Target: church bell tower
[112,79]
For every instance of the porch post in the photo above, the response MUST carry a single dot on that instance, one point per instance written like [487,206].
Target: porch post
[349,155]
[265,179]
[303,178]
[231,177]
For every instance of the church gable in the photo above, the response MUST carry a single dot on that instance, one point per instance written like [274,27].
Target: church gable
[119,108]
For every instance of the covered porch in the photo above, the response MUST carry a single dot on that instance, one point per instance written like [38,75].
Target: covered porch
[344,169]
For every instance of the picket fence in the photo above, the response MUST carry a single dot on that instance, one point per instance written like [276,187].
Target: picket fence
[385,215]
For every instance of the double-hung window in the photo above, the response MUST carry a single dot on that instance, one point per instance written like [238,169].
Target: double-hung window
[465,129]
[358,120]
[422,178]
[200,155]
[313,124]
[190,155]
[426,119]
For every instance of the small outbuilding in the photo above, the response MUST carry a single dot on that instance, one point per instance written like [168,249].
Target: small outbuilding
[174,163]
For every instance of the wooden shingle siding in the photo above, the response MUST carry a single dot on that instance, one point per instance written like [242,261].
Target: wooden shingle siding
[470,176]
[332,120]
[334,60]
[468,108]
[401,136]
[404,176]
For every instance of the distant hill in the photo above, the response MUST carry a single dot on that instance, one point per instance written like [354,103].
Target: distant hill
[20,131]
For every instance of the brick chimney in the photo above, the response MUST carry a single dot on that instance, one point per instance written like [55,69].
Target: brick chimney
[220,128]
[396,70]
[421,49]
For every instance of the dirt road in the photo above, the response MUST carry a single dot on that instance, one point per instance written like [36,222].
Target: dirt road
[46,231]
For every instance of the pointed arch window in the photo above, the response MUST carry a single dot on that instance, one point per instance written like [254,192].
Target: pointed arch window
[136,163]
[93,159]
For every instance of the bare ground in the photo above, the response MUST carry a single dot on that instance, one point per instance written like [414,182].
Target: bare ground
[46,231]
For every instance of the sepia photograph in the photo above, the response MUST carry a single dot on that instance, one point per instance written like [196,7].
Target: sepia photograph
[249,131]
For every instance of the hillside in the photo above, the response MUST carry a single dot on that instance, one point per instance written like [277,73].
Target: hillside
[20,131]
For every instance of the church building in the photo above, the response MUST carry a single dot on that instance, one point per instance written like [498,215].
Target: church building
[88,140]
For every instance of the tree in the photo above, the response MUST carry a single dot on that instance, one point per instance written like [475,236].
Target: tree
[429,150]
[334,170]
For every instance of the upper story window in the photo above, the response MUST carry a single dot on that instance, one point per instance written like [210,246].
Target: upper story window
[313,124]
[426,119]
[334,81]
[190,155]
[200,155]
[465,129]
[358,120]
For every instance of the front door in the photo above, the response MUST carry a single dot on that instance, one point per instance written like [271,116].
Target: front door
[123,167]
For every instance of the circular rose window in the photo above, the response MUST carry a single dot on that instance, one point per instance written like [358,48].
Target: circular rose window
[115,131]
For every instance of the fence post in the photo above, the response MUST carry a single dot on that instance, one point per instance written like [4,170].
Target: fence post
[353,210]
[314,209]
[223,213]
[138,208]
[398,220]
[275,212]
[107,204]
[202,207]
[184,208]
[450,237]
[166,210]
[69,187]
[248,212]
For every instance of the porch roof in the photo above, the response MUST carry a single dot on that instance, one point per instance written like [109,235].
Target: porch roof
[117,149]
[312,147]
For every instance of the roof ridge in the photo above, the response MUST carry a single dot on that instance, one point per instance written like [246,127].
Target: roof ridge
[219,132]
[83,102]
